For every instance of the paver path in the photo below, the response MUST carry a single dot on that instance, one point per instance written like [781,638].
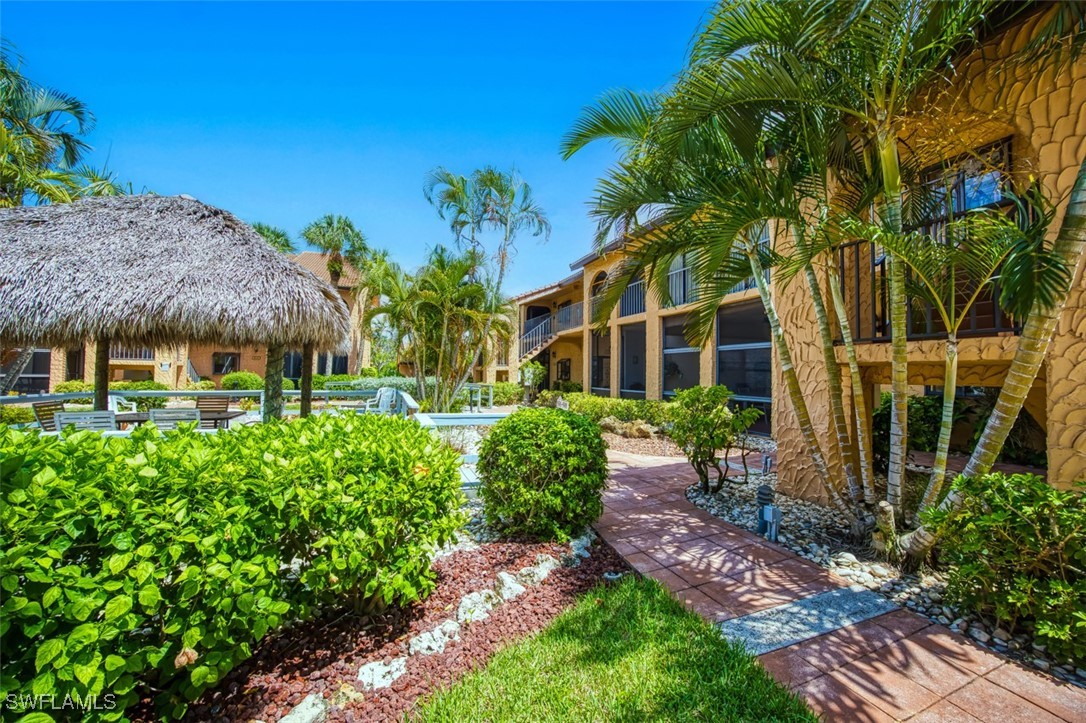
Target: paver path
[851,660]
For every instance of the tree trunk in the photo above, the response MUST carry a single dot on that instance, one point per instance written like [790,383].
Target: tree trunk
[899,350]
[306,382]
[101,375]
[795,392]
[273,383]
[1032,348]
[946,424]
[11,377]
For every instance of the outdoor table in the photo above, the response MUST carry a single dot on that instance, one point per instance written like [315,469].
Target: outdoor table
[219,418]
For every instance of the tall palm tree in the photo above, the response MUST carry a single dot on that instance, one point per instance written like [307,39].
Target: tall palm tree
[488,200]
[340,242]
[276,237]
[868,60]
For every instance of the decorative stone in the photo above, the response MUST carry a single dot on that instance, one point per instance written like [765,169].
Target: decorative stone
[612,576]
[507,586]
[312,709]
[979,635]
[380,674]
[538,573]
[846,558]
[582,544]
[476,606]
[434,641]
[1041,664]
[1001,634]
[346,694]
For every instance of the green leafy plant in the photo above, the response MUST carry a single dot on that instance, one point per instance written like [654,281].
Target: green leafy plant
[143,403]
[1017,552]
[543,472]
[925,415]
[16,415]
[700,422]
[507,393]
[242,380]
[567,387]
[596,408]
[532,375]
[153,565]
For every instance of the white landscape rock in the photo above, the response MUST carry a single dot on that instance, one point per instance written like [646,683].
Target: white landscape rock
[477,606]
[507,586]
[583,544]
[380,674]
[312,709]
[538,572]
[434,641]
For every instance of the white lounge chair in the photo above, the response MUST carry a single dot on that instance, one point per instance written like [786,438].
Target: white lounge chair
[93,421]
[166,419]
[380,404]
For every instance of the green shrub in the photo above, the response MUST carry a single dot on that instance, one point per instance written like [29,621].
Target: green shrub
[1017,552]
[16,415]
[568,387]
[700,422]
[596,408]
[241,380]
[204,385]
[367,372]
[542,473]
[142,403]
[507,393]
[925,419]
[148,564]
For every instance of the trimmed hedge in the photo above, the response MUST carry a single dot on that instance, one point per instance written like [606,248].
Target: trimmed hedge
[142,403]
[1016,547]
[16,415]
[542,474]
[156,564]
[243,380]
[507,393]
[596,408]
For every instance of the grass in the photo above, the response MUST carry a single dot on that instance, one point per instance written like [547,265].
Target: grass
[625,652]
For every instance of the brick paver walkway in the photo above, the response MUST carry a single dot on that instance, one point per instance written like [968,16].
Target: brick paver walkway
[896,666]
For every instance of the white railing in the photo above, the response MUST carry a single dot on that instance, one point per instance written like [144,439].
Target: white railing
[536,335]
[681,288]
[131,353]
[633,299]
[569,317]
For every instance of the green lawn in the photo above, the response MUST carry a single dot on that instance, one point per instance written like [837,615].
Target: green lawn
[626,652]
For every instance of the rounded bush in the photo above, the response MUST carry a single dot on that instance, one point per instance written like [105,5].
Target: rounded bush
[542,474]
[242,380]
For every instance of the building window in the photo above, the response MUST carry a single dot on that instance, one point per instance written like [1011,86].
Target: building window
[224,362]
[339,363]
[744,356]
[292,365]
[35,377]
[976,180]
[562,370]
[632,383]
[681,367]
[601,363]
[74,363]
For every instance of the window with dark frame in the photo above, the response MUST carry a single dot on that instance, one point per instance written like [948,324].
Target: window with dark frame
[225,362]
[681,368]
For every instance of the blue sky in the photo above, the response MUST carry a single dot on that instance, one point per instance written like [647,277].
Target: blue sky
[282,112]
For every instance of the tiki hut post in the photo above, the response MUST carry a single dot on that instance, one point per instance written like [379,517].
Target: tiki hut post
[273,383]
[307,379]
[101,374]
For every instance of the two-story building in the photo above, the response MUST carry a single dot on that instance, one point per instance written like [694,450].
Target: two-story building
[1008,126]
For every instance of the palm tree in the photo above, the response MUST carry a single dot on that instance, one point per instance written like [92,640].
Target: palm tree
[487,200]
[340,243]
[870,61]
[276,237]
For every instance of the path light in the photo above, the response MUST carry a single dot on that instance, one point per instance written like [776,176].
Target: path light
[769,515]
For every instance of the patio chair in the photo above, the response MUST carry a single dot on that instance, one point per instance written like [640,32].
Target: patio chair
[92,421]
[211,404]
[166,419]
[45,413]
[380,404]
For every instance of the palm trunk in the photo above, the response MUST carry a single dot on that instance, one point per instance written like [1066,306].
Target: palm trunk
[899,351]
[101,375]
[942,448]
[795,392]
[842,440]
[273,383]
[1032,348]
[11,377]
[306,382]
[859,403]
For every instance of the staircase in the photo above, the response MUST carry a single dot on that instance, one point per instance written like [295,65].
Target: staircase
[538,338]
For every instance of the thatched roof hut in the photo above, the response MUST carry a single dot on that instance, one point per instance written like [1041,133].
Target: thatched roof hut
[156,271]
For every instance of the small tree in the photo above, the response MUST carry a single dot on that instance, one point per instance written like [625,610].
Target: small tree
[531,374]
[700,422]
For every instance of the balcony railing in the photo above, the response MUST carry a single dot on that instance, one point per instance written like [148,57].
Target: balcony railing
[569,317]
[131,353]
[681,288]
[633,300]
[536,335]
[865,286]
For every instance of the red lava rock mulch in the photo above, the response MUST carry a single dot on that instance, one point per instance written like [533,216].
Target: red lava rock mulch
[324,656]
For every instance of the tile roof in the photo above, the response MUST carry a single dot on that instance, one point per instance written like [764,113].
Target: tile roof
[317,263]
